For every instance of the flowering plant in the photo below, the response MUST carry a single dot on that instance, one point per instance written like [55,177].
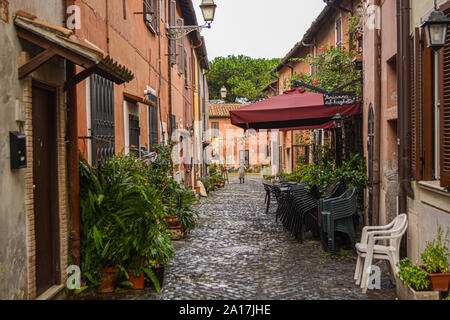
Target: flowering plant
[331,68]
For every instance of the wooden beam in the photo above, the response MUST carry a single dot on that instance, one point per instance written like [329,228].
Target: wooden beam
[78,78]
[133,98]
[65,53]
[36,62]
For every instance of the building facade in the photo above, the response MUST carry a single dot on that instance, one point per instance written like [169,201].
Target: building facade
[94,78]
[230,146]
[329,29]
[428,205]
[405,121]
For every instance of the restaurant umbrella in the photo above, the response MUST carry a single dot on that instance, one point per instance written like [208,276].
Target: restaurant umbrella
[296,109]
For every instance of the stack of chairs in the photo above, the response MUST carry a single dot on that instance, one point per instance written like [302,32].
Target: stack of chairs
[335,190]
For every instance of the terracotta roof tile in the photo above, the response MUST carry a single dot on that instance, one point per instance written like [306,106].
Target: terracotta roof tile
[222,110]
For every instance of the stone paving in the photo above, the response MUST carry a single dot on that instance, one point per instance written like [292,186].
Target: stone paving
[239,252]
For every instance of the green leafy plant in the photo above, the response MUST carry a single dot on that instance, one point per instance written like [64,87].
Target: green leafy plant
[436,253]
[121,214]
[413,276]
[333,67]
[243,77]
[323,173]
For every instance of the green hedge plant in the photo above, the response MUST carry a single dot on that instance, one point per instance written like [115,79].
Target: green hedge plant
[413,276]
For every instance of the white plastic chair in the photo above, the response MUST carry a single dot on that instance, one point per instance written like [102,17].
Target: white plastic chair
[368,250]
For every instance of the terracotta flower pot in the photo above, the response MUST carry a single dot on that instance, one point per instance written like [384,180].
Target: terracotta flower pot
[138,282]
[107,286]
[439,281]
[172,220]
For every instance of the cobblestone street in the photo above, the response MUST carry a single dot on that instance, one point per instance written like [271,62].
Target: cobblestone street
[239,252]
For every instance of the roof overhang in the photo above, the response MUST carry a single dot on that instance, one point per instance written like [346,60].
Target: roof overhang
[309,35]
[58,41]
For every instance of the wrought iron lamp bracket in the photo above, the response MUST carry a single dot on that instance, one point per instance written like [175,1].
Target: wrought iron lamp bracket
[178,32]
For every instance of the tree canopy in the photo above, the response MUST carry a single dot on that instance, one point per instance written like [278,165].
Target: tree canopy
[243,76]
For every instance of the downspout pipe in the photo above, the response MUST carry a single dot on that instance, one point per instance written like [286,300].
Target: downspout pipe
[72,161]
[374,219]
[404,79]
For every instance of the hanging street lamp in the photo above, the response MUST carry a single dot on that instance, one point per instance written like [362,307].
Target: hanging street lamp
[208,10]
[223,92]
[435,28]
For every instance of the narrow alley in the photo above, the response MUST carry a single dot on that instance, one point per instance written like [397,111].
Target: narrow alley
[239,252]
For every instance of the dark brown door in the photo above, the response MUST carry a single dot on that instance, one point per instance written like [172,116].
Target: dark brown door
[45,188]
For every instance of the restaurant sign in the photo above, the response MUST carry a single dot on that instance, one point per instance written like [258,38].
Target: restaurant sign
[339,99]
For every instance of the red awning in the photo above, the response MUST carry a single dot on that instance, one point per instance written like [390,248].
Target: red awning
[295,109]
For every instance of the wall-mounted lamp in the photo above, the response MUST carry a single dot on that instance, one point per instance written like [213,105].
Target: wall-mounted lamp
[338,119]
[208,10]
[435,28]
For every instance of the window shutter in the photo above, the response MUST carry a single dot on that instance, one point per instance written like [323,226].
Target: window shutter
[180,23]
[415,104]
[172,43]
[151,14]
[185,62]
[445,114]
[427,113]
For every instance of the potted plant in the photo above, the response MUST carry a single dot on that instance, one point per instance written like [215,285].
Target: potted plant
[121,214]
[413,282]
[435,262]
[108,278]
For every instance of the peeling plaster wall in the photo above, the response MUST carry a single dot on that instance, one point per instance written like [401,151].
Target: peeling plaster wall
[13,228]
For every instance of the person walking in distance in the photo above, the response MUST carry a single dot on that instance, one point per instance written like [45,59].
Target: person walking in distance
[241,173]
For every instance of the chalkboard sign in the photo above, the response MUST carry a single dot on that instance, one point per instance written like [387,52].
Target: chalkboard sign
[339,99]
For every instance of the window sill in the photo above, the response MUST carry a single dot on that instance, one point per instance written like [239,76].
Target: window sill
[434,186]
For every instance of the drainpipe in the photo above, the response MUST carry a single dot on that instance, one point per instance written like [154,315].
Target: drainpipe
[404,87]
[159,82]
[107,26]
[404,79]
[169,119]
[374,220]
[72,162]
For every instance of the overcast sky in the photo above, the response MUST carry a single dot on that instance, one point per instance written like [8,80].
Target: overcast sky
[258,28]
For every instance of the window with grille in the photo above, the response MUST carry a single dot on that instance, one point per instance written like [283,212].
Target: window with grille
[134,132]
[102,118]
[153,123]
[150,14]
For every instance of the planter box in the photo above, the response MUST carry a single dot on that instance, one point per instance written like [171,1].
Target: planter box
[407,293]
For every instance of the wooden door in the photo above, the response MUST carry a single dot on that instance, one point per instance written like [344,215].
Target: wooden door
[45,189]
